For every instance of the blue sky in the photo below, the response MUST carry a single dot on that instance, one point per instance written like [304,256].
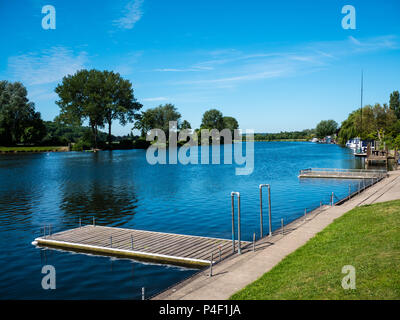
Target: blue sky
[273,65]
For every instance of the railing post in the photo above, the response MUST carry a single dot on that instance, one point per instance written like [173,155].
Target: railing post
[332,200]
[254,241]
[211,264]
[269,210]
[233,221]
[349,191]
[93,221]
[261,213]
[282,227]
[143,293]
[239,246]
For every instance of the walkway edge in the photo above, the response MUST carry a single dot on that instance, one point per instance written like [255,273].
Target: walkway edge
[240,270]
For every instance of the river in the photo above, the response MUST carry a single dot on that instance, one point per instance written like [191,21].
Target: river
[121,189]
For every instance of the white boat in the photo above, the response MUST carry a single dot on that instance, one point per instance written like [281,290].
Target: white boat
[355,144]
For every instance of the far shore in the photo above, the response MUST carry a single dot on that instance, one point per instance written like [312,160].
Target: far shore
[46,149]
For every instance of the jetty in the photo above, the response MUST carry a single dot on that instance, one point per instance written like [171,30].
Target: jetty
[334,173]
[167,248]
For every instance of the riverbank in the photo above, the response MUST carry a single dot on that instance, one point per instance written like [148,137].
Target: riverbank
[138,145]
[366,238]
[234,274]
[33,149]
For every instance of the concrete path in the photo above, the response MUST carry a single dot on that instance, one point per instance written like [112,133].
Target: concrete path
[233,274]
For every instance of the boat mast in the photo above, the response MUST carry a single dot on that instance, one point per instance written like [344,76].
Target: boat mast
[361,107]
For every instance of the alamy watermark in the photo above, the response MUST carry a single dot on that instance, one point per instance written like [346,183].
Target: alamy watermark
[349,280]
[49,280]
[49,20]
[189,152]
[349,20]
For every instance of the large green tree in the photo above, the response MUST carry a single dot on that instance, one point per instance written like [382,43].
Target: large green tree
[98,97]
[230,123]
[19,122]
[212,119]
[121,103]
[374,122]
[326,128]
[157,118]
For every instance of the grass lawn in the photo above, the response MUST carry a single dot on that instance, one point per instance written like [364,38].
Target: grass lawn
[31,149]
[366,237]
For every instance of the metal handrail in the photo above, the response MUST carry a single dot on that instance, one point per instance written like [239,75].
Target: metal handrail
[346,170]
[269,209]
[233,221]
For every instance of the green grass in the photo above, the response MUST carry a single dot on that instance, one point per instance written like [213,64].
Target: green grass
[30,149]
[366,237]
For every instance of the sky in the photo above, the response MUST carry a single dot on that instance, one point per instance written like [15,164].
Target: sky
[273,65]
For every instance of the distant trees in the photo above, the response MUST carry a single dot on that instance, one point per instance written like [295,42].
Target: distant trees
[185,125]
[157,118]
[212,119]
[100,97]
[306,134]
[326,128]
[230,123]
[19,122]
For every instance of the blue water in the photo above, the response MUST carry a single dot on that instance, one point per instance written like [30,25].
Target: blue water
[121,189]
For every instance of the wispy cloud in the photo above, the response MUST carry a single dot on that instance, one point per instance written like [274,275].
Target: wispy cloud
[155,99]
[233,66]
[191,69]
[133,13]
[48,66]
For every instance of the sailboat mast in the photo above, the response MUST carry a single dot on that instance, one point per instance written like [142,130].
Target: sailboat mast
[362,89]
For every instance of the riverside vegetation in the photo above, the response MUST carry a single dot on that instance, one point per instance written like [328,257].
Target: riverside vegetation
[366,237]
[91,101]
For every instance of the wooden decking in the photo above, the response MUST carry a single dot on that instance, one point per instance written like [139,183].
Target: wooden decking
[142,245]
[333,173]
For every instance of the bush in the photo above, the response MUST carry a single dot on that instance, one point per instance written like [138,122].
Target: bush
[81,145]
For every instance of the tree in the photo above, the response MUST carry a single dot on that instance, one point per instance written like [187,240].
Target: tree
[230,123]
[121,103]
[348,128]
[394,103]
[326,128]
[212,119]
[185,125]
[19,122]
[157,118]
[375,122]
[98,97]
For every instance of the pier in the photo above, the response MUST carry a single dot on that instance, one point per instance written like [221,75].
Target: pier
[152,246]
[342,173]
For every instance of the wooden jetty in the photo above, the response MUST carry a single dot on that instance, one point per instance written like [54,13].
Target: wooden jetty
[142,245]
[380,156]
[334,173]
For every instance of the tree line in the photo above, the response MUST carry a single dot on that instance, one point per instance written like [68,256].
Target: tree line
[374,122]
[98,98]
